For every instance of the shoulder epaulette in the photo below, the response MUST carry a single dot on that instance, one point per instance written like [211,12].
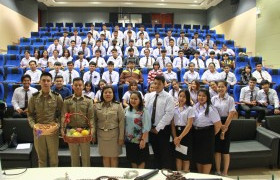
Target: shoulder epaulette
[87,97]
[68,97]
[36,93]
[55,93]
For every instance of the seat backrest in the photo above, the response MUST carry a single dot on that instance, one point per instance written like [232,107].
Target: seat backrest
[236,92]
[243,129]
[23,130]
[273,123]
[2,73]
[9,95]
[1,91]
[12,60]
[14,74]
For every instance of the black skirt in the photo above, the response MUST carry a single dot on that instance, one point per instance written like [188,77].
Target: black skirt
[222,146]
[186,141]
[136,155]
[204,145]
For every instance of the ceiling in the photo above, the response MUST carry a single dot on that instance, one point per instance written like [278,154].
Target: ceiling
[175,4]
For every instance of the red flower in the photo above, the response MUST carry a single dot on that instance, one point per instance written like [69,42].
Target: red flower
[67,118]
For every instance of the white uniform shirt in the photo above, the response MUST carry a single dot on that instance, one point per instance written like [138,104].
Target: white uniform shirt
[163,61]
[181,41]
[66,41]
[142,53]
[106,33]
[209,76]
[136,52]
[99,61]
[43,62]
[172,50]
[245,94]
[167,39]
[115,77]
[194,44]
[101,48]
[53,73]
[52,60]
[189,76]
[215,61]
[198,63]
[224,105]
[18,99]
[181,117]
[169,76]
[64,60]
[52,47]
[73,51]
[119,50]
[89,94]
[272,95]
[117,61]
[155,41]
[264,75]
[95,34]
[95,77]
[133,34]
[143,62]
[231,79]
[146,35]
[141,42]
[78,40]
[177,62]
[86,51]
[78,63]
[90,41]
[35,75]
[66,74]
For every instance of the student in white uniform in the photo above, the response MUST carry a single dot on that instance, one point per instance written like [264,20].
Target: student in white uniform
[172,50]
[73,49]
[120,33]
[141,30]
[64,41]
[65,58]
[92,76]
[111,77]
[129,28]
[211,74]
[131,45]
[180,62]
[213,88]
[157,50]
[115,58]
[114,46]
[101,85]
[182,40]
[99,47]
[133,86]
[213,60]
[195,41]
[103,41]
[128,39]
[89,40]
[24,63]
[85,50]
[100,61]
[167,39]
[53,59]
[147,46]
[56,71]
[156,40]
[226,50]
[193,88]
[34,73]
[174,92]
[191,74]
[104,31]
[169,75]
[261,74]
[43,61]
[88,90]
[197,61]
[116,37]
[141,41]
[55,46]
[181,126]
[94,33]
[163,59]
[147,60]
[81,62]
[70,73]
[228,76]
[76,38]
[208,41]
[206,125]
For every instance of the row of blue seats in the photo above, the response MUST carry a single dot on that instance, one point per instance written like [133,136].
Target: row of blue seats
[137,25]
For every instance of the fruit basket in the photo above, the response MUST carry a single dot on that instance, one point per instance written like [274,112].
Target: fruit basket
[78,135]
[46,129]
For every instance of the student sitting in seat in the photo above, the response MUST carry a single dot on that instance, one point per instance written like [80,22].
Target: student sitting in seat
[213,60]
[141,41]
[180,62]
[73,49]
[66,57]
[76,38]
[228,76]
[115,58]
[101,85]
[191,74]
[154,72]
[168,38]
[133,86]
[182,40]
[64,40]
[141,30]
[131,56]
[95,35]
[88,90]
[197,61]
[208,41]
[89,40]
[157,51]
[129,29]
[92,76]
[104,31]
[55,46]
[43,61]
[59,88]
[131,45]
[100,48]
[147,60]
[169,75]
[246,75]
[174,92]
[25,61]
[226,50]
[211,74]
[227,61]
[111,76]
[195,41]
[156,40]
[56,71]
[147,46]
[34,73]
[100,61]
[261,74]
[85,50]
[163,59]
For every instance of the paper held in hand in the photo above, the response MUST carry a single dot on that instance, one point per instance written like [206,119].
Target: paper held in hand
[182,149]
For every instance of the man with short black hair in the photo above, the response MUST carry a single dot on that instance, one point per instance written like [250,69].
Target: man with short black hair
[34,73]
[59,88]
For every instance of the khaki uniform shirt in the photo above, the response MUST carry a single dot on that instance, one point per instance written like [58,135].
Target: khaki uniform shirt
[83,105]
[44,109]
[110,116]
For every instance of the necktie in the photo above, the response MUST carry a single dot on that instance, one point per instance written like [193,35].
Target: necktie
[172,50]
[198,65]
[267,98]
[226,77]
[90,78]
[182,41]
[97,61]
[208,42]
[105,33]
[159,51]
[63,43]
[55,47]
[101,43]
[70,78]
[81,64]
[110,77]
[157,40]
[163,60]
[142,43]
[76,39]
[88,41]
[98,48]
[147,61]
[195,43]
[26,99]
[83,50]
[168,41]
[261,75]
[251,96]
[181,62]
[55,75]
[72,51]
[154,110]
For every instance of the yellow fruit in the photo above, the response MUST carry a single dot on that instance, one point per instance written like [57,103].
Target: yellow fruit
[76,134]
[72,131]
[85,132]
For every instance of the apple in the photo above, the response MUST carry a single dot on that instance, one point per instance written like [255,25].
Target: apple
[79,130]
[77,134]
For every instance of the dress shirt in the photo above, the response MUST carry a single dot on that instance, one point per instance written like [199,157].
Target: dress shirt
[78,62]
[174,94]
[74,74]
[115,77]
[78,40]
[217,51]
[198,61]
[127,40]
[212,92]
[25,62]
[105,44]
[141,42]
[119,50]
[200,120]
[136,52]
[155,41]
[117,61]
[146,35]
[66,41]
[94,79]
[64,91]
[35,75]
[181,117]
[120,35]
[43,62]
[106,33]
[52,60]
[142,53]
[95,34]
[231,79]
[90,41]
[264,74]
[119,42]
[181,41]
[194,44]
[89,94]
[245,94]
[101,48]
[215,61]
[169,76]
[51,48]
[224,105]
[230,52]
[205,52]
[18,99]
[272,95]
[143,62]
[193,95]
[190,76]
[86,51]
[64,60]
[177,62]
[157,52]
[53,73]
[209,76]
[175,50]
[210,43]
[164,109]
[100,61]
[73,51]
[163,61]
[133,34]
[166,41]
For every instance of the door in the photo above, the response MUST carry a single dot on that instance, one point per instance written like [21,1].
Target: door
[162,19]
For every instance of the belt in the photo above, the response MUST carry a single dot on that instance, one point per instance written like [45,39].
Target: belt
[105,129]
[202,128]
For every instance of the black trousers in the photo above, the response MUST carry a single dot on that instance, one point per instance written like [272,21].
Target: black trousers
[260,111]
[18,115]
[161,147]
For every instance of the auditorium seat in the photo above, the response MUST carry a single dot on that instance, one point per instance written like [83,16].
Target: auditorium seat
[158,26]
[43,29]
[26,48]
[12,60]
[239,50]
[98,24]
[196,27]
[14,75]
[241,61]
[212,32]
[41,48]
[59,25]
[75,28]
[275,74]
[25,41]
[53,29]
[1,89]
[2,74]
[88,24]
[45,35]
[49,41]
[86,29]
[205,27]
[187,26]
[35,35]
[38,41]
[83,35]
[2,60]
[9,95]
[237,73]
[57,35]
[13,49]
[220,37]
[79,24]
[229,43]
[178,26]
[18,158]
[69,25]
[49,24]
[63,29]
[255,60]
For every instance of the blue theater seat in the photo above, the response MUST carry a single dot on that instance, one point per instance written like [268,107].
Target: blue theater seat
[49,24]
[2,74]
[35,35]
[63,29]
[178,26]
[13,49]
[205,27]
[14,75]
[197,27]
[220,37]
[255,60]
[98,24]
[79,24]
[43,29]
[54,29]
[26,48]
[237,73]
[25,41]
[88,24]
[241,61]
[229,43]
[275,74]
[49,41]
[187,26]
[12,60]
[69,25]
[57,35]
[2,60]
[59,25]
[9,96]
[1,91]
[239,50]
[38,41]
[45,35]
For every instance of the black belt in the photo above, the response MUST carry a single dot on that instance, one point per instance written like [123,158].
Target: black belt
[105,129]
[180,128]
[203,128]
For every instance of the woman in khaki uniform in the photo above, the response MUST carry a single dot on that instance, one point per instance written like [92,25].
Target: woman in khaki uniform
[109,116]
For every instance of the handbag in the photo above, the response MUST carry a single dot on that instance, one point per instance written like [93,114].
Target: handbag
[13,141]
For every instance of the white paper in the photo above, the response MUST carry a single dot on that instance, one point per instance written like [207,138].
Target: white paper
[182,149]
[23,146]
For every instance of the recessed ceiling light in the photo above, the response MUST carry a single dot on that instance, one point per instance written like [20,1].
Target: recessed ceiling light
[195,1]
[128,3]
[95,2]
[162,0]
[161,4]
